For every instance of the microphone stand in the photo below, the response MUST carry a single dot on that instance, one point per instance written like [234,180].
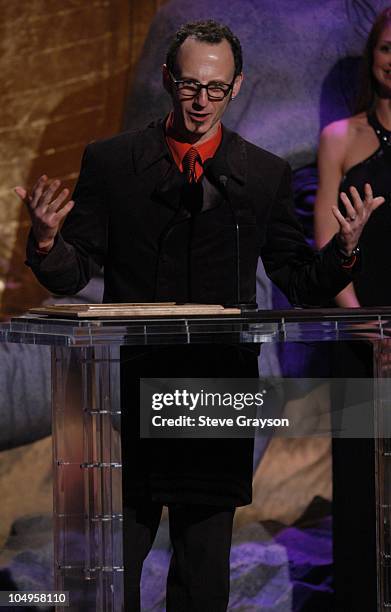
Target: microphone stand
[244,306]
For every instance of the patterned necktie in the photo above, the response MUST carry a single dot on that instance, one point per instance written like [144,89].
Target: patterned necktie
[189,162]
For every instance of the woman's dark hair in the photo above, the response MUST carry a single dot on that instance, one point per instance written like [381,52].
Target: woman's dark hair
[209,32]
[366,98]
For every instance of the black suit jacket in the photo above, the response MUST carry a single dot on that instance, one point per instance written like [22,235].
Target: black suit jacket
[131,217]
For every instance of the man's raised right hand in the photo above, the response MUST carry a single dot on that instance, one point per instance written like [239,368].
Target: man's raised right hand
[46,209]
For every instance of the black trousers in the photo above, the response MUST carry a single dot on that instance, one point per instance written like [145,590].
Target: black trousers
[198,577]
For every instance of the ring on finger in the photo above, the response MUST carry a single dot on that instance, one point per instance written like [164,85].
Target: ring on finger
[352,217]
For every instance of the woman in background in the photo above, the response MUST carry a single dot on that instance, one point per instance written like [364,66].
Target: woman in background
[356,151]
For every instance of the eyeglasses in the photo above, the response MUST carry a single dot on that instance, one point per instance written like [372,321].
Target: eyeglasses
[188,88]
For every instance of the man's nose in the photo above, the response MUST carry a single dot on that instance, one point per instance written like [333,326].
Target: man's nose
[201,99]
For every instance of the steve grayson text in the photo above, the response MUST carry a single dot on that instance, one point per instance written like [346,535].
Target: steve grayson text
[207,421]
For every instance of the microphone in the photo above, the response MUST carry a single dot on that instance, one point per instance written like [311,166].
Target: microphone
[239,304]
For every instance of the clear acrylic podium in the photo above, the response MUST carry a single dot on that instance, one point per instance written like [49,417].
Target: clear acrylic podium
[86,426]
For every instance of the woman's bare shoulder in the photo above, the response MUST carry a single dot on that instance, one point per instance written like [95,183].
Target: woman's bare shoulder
[342,136]
[344,130]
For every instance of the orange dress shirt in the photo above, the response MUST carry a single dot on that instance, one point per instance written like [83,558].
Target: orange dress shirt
[206,149]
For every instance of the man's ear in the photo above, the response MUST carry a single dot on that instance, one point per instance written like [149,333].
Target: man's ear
[167,83]
[237,85]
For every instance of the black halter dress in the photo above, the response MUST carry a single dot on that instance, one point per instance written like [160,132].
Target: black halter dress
[373,286]
[354,522]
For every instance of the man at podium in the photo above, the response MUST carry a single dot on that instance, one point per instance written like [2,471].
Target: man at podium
[180,211]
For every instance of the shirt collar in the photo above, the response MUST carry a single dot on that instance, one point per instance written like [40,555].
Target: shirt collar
[150,147]
[206,149]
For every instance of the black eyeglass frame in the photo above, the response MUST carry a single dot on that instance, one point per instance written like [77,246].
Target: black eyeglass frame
[199,86]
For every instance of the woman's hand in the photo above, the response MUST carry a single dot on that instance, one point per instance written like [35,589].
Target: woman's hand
[357,215]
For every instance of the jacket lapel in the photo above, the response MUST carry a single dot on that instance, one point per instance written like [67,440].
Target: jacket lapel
[152,158]
[226,171]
